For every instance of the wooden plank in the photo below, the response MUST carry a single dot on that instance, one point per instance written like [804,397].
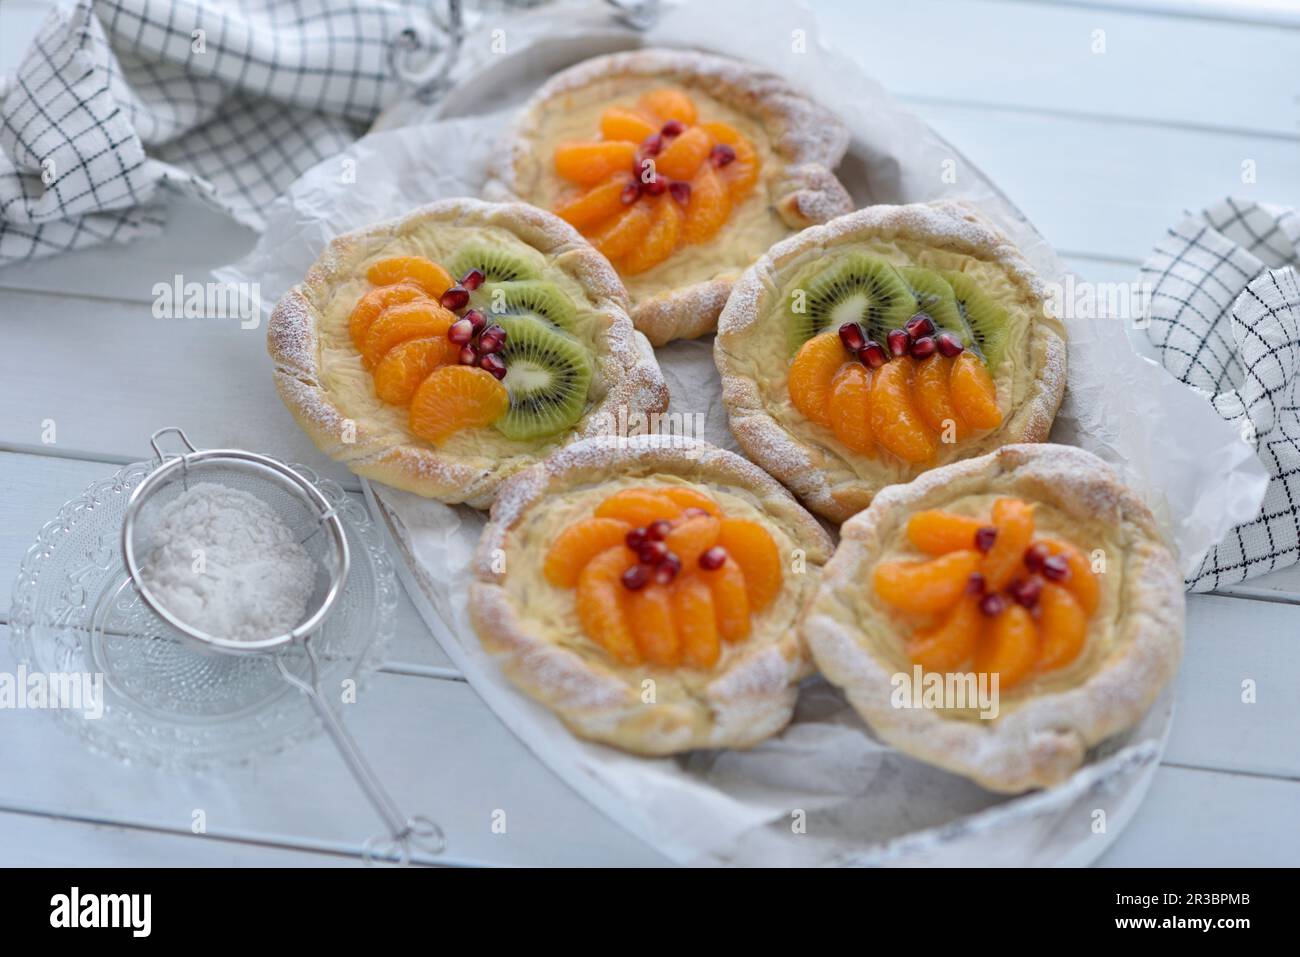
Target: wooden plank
[435,744]
[37,486]
[1194,818]
[1043,57]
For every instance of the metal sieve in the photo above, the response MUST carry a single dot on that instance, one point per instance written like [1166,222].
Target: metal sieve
[317,528]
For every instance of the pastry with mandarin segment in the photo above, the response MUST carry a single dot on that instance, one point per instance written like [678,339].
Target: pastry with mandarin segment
[443,352]
[649,592]
[1031,576]
[680,167]
[890,341]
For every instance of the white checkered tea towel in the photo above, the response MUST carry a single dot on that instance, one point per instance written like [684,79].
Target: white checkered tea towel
[1224,300]
[231,100]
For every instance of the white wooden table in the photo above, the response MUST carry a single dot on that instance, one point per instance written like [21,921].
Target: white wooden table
[1101,149]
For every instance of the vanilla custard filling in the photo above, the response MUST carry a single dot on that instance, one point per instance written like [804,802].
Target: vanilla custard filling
[885,630]
[551,613]
[766,357]
[352,386]
[752,228]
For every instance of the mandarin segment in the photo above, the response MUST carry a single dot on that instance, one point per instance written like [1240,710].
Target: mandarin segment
[579,544]
[811,374]
[684,154]
[591,161]
[688,497]
[650,618]
[374,302]
[1009,647]
[1063,625]
[741,174]
[933,399]
[418,319]
[455,397]
[600,604]
[660,239]
[697,626]
[730,600]
[1082,582]
[620,123]
[952,642]
[752,548]
[670,103]
[425,273]
[926,587]
[638,506]
[1014,521]
[623,232]
[708,208]
[400,372]
[849,408]
[973,394]
[595,206]
[936,532]
[692,538]
[894,420]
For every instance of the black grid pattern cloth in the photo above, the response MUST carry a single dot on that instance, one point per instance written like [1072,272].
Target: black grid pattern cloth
[1224,309]
[231,100]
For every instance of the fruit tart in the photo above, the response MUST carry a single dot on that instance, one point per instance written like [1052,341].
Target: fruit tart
[443,352]
[860,353]
[999,616]
[681,168]
[649,593]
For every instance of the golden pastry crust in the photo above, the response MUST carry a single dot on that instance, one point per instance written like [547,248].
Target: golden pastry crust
[532,628]
[801,143]
[319,377]
[828,477]
[1046,724]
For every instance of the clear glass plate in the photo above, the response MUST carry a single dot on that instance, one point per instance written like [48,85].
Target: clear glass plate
[166,704]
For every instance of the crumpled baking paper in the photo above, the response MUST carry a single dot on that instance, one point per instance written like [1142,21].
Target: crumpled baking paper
[824,791]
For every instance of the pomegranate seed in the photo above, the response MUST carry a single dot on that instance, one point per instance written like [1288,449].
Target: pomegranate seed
[461,332]
[852,337]
[473,279]
[476,319]
[680,192]
[985,537]
[635,539]
[656,186]
[493,363]
[492,340]
[919,325]
[637,577]
[721,154]
[455,298]
[992,604]
[468,356]
[714,558]
[652,552]
[673,128]
[667,570]
[1056,568]
[975,584]
[1026,591]
[873,354]
[652,144]
[923,348]
[949,345]
[899,341]
[693,512]
[631,193]
[1034,556]
[658,530]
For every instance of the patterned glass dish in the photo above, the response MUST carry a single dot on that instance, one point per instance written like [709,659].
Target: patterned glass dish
[166,704]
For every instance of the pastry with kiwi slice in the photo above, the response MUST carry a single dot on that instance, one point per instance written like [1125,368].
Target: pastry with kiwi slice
[445,351]
[886,342]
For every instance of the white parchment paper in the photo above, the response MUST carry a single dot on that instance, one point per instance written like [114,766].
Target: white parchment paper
[858,801]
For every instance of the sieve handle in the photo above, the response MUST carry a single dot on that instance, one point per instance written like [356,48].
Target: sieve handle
[403,832]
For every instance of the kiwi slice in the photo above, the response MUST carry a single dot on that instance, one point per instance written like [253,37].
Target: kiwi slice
[547,375]
[854,288]
[935,297]
[535,296]
[498,264]
[987,324]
